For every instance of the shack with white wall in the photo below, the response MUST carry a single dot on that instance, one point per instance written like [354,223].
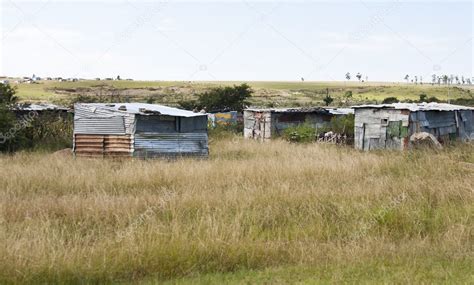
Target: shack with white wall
[390,126]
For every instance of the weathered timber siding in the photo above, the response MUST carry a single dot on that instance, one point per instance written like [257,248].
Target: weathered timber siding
[257,125]
[381,128]
[103,145]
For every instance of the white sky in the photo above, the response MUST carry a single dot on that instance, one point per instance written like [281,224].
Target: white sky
[236,40]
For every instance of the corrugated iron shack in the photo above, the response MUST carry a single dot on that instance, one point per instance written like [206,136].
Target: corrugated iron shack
[138,130]
[263,124]
[390,126]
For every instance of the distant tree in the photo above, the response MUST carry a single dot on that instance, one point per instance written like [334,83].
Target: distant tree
[433,99]
[445,79]
[221,99]
[457,79]
[302,79]
[348,76]
[118,77]
[416,79]
[7,95]
[468,81]
[421,80]
[423,97]
[328,99]
[390,100]
[463,80]
[359,76]
[407,78]
[433,79]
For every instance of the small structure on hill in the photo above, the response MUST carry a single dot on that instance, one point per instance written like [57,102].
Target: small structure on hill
[138,130]
[390,126]
[263,124]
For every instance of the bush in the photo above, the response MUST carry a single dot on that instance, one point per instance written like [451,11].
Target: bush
[221,99]
[343,125]
[225,131]
[433,99]
[328,100]
[31,130]
[390,100]
[303,133]
[8,123]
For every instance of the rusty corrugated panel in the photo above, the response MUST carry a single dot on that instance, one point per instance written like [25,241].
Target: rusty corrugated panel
[170,144]
[103,145]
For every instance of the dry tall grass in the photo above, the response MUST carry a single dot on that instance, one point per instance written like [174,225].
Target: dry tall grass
[250,206]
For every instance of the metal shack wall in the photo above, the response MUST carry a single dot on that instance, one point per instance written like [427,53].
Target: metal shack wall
[381,129]
[99,132]
[466,125]
[168,136]
[444,125]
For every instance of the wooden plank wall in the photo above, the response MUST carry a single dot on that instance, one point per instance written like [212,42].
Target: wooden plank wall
[103,145]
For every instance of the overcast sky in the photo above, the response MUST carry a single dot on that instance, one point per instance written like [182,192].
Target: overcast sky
[236,40]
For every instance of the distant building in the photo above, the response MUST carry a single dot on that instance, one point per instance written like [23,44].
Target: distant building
[263,124]
[390,126]
[138,130]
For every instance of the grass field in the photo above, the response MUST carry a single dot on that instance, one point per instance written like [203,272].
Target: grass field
[271,213]
[283,94]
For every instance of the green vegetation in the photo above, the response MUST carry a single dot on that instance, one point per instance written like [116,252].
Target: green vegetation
[303,133]
[7,118]
[271,94]
[31,130]
[390,100]
[220,99]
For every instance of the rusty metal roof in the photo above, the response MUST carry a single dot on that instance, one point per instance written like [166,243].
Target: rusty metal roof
[413,107]
[143,109]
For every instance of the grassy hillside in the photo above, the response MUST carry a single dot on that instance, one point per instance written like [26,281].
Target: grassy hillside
[266,93]
[252,213]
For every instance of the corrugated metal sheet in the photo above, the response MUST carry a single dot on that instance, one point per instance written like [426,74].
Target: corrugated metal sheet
[416,107]
[171,144]
[149,133]
[379,127]
[39,107]
[142,109]
[99,126]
